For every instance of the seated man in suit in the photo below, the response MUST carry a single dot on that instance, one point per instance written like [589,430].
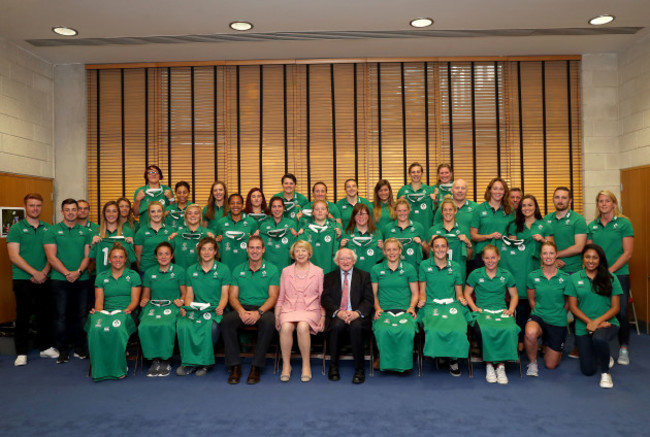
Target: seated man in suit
[348,300]
[252,296]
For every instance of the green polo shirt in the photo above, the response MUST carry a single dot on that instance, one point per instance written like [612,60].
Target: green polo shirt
[549,296]
[232,248]
[218,215]
[184,244]
[278,240]
[148,198]
[610,238]
[307,212]
[70,246]
[457,250]
[411,251]
[345,208]
[324,243]
[440,282]
[366,246]
[294,205]
[591,303]
[464,214]
[164,285]
[421,204]
[384,218]
[117,292]
[259,217]
[31,249]
[487,221]
[99,251]
[148,238]
[491,293]
[92,227]
[564,232]
[207,285]
[175,216]
[394,290]
[443,190]
[254,285]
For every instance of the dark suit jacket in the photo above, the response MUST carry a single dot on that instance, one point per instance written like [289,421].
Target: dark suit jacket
[361,297]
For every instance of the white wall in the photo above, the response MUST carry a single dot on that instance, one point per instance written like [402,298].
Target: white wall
[26,113]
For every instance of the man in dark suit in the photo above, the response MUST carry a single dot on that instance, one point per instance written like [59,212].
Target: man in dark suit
[348,300]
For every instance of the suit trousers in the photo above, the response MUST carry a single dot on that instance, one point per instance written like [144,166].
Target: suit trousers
[356,332]
[230,326]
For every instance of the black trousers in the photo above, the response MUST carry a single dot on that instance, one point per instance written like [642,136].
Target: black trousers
[230,326]
[355,331]
[594,350]
[33,299]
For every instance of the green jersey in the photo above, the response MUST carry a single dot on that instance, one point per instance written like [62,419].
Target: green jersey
[99,251]
[589,302]
[117,292]
[259,217]
[488,220]
[411,251]
[564,233]
[394,286]
[31,249]
[184,244]
[70,244]
[610,238]
[212,222]
[207,285]
[491,292]
[108,334]
[464,214]
[443,190]
[457,249]
[345,208]
[164,285]
[278,240]
[323,242]
[307,216]
[293,205]
[157,329]
[151,195]
[149,238]
[232,247]
[421,204]
[440,282]
[366,246]
[254,285]
[92,227]
[549,296]
[384,217]
[175,216]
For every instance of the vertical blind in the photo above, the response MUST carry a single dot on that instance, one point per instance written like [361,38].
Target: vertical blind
[247,125]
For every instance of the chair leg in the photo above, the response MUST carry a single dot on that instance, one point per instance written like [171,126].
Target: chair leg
[324,352]
[371,345]
[636,321]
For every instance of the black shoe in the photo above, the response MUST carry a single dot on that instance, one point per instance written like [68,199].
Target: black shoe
[81,353]
[359,376]
[253,376]
[235,374]
[454,368]
[64,357]
[333,374]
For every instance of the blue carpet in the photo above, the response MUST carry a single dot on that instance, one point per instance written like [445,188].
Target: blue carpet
[48,399]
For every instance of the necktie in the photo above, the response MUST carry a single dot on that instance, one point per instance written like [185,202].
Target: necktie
[346,291]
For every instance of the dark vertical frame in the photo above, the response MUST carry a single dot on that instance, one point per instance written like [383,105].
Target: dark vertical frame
[356,128]
[426,120]
[308,142]
[193,109]
[521,128]
[238,132]
[570,120]
[146,117]
[498,116]
[333,106]
[450,105]
[261,166]
[215,121]
[122,132]
[98,146]
[169,124]
[473,86]
[285,119]
[403,92]
[544,137]
[379,142]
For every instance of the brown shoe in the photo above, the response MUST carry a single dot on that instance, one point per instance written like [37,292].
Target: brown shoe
[254,376]
[235,374]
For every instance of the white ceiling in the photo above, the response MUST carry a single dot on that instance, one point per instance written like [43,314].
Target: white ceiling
[22,20]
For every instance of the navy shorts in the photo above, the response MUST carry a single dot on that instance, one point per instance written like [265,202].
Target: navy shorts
[552,336]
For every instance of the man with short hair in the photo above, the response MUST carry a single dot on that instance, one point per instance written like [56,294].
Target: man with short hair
[252,295]
[83,213]
[515,197]
[569,231]
[31,284]
[66,246]
[465,207]
[348,301]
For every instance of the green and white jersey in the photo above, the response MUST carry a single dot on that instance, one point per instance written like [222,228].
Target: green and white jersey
[254,285]
[117,292]
[464,214]
[324,243]
[589,302]
[108,334]
[149,238]
[421,204]
[175,216]
[487,221]
[151,195]
[457,250]
[549,296]
[278,240]
[218,215]
[232,247]
[491,292]
[207,285]
[31,248]
[394,290]
[345,208]
[366,246]
[307,216]
[259,217]
[293,205]
[443,190]
[184,244]
[610,238]
[164,285]
[99,251]
[440,282]
[411,251]
[564,232]
[70,244]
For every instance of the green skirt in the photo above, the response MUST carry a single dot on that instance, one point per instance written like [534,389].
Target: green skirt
[394,335]
[499,336]
[108,334]
[194,333]
[157,330]
[445,329]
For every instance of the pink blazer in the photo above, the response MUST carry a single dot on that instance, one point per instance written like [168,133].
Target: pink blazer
[289,294]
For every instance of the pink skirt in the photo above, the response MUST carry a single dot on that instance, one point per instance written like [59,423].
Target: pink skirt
[311,317]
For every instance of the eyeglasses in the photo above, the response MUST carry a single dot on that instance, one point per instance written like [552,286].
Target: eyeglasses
[152,172]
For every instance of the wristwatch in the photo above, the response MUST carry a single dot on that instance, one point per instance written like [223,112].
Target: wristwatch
[260,311]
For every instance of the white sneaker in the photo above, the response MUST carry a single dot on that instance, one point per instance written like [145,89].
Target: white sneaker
[21,360]
[606,381]
[532,370]
[490,376]
[501,374]
[623,357]
[611,362]
[50,352]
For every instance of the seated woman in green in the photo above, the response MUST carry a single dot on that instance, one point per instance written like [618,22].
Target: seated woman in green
[117,294]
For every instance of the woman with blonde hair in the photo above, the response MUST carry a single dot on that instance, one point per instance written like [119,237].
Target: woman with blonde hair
[410,233]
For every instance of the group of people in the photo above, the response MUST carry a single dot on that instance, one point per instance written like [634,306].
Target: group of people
[430,259]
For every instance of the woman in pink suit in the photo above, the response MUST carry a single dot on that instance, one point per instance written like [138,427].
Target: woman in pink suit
[298,308]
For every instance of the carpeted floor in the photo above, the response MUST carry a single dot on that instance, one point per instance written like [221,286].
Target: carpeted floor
[44,399]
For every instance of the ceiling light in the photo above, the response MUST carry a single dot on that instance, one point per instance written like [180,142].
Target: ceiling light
[601,19]
[65,31]
[241,25]
[421,22]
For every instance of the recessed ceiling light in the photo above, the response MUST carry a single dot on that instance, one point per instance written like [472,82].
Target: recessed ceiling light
[421,22]
[241,25]
[65,31]
[601,19]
